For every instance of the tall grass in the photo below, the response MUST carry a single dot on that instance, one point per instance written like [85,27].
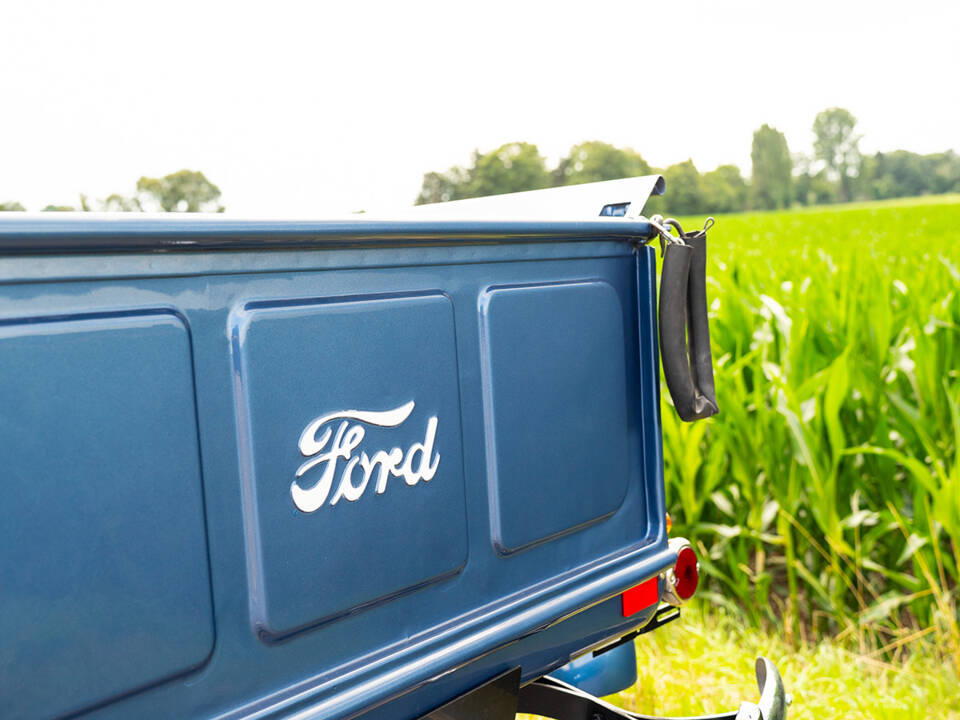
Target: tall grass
[704,663]
[825,498]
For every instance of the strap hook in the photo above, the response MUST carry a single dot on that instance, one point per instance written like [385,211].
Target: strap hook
[658,223]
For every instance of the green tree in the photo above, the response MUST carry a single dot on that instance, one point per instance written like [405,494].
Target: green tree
[512,167]
[441,187]
[811,186]
[906,174]
[772,166]
[121,203]
[725,190]
[84,206]
[946,171]
[12,206]
[594,161]
[182,191]
[837,145]
[684,191]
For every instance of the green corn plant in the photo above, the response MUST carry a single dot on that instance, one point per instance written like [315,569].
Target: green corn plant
[825,497]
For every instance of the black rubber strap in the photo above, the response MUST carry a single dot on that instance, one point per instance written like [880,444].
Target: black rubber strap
[688,367]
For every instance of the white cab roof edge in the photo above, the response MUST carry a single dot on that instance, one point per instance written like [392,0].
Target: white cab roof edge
[569,202]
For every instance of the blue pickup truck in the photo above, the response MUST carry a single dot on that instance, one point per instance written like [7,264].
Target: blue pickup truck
[343,469]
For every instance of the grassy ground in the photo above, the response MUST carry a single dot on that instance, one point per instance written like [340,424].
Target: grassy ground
[703,663]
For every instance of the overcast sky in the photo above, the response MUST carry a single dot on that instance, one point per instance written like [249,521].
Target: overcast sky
[312,108]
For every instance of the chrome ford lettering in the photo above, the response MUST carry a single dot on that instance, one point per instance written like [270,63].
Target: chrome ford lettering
[418,462]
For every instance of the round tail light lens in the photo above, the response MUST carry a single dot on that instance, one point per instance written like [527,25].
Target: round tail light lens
[687,573]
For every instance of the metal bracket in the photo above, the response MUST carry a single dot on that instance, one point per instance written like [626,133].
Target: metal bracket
[665,614]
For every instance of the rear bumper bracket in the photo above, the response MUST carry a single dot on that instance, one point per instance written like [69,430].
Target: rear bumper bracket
[553,698]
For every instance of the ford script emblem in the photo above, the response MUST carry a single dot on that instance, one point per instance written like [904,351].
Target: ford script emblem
[346,427]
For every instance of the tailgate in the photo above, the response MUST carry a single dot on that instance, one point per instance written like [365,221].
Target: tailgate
[320,474]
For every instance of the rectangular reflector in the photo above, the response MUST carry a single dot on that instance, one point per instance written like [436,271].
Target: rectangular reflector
[640,597]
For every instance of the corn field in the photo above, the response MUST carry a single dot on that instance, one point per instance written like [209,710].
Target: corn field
[825,497]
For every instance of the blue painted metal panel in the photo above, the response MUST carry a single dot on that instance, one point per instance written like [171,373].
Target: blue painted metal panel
[103,573]
[605,674]
[80,233]
[555,399]
[313,358]
[410,651]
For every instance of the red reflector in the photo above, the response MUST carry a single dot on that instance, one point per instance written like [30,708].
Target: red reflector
[640,597]
[688,576]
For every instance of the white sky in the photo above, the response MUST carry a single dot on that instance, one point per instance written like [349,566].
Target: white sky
[313,108]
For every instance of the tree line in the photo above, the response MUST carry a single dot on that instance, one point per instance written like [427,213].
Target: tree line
[181,191]
[835,172]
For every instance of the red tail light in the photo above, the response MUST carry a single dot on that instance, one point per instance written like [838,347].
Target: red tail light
[682,579]
[687,573]
[679,582]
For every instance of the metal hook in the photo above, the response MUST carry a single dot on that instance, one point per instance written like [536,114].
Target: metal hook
[675,225]
[666,237]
